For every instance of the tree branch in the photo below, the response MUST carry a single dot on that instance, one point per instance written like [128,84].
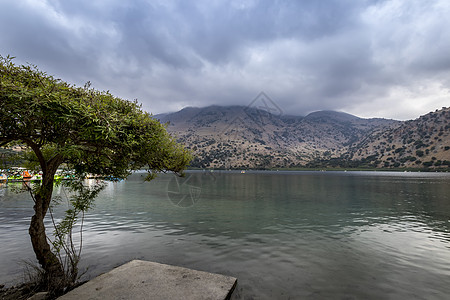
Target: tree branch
[37,150]
[4,141]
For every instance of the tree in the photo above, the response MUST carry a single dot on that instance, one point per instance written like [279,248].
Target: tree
[85,130]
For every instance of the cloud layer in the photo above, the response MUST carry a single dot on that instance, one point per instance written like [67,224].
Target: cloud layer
[370,58]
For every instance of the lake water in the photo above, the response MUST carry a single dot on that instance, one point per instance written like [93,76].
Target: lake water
[284,235]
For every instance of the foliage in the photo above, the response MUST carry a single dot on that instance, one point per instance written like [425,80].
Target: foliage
[93,132]
[80,199]
[87,132]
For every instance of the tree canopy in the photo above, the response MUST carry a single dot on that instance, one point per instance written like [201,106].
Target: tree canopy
[86,130]
[89,130]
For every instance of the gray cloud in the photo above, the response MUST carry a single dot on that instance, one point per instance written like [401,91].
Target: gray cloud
[371,58]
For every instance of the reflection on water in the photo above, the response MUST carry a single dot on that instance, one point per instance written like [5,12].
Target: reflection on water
[318,235]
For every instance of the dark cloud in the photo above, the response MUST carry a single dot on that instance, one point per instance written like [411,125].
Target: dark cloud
[358,56]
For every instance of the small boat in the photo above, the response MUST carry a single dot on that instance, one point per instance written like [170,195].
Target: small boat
[26,175]
[36,177]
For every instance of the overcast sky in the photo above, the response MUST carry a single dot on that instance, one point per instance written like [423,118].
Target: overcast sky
[370,58]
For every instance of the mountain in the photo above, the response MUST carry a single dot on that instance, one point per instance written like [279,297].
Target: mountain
[248,137]
[424,142]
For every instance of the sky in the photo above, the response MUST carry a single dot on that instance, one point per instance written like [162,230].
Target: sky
[370,58]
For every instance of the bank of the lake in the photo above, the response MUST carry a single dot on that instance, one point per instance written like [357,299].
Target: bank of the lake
[283,234]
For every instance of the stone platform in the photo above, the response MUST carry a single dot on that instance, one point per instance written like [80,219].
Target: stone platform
[140,279]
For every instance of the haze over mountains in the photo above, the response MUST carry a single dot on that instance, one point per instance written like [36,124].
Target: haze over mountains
[251,137]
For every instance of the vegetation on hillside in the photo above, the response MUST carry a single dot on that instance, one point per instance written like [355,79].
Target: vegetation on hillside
[239,137]
[420,143]
[230,138]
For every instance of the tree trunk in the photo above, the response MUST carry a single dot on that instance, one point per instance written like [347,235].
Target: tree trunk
[54,272]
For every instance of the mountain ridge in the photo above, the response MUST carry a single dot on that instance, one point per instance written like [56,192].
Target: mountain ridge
[243,108]
[424,141]
[249,137]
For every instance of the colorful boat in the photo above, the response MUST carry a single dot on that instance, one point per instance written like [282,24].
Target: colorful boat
[26,175]
[20,174]
[3,177]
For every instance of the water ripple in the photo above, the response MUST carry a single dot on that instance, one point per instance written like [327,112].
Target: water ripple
[291,235]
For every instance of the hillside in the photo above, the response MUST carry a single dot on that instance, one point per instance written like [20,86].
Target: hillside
[424,142]
[243,137]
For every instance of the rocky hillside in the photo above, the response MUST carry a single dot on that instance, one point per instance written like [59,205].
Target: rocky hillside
[247,137]
[424,142]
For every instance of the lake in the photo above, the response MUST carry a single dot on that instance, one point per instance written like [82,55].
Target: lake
[284,235]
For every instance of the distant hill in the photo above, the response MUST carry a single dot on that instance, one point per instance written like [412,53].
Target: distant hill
[247,137]
[424,142]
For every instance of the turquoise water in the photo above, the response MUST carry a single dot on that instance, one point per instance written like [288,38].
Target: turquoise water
[284,235]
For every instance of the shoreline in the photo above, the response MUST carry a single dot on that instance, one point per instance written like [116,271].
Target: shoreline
[274,170]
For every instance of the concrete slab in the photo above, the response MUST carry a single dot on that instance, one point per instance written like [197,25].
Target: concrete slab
[140,279]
